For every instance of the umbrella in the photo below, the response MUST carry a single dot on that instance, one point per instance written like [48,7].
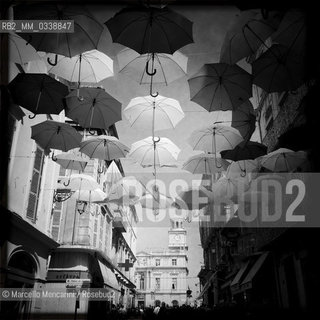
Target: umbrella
[292,31]
[220,86]
[229,188]
[70,161]
[20,51]
[242,167]
[104,148]
[245,151]
[121,192]
[86,34]
[247,34]
[283,160]
[156,152]
[90,66]
[278,69]
[91,196]
[193,198]
[148,113]
[112,176]
[95,109]
[164,68]
[56,135]
[215,139]
[205,164]
[39,93]
[82,182]
[155,203]
[150,29]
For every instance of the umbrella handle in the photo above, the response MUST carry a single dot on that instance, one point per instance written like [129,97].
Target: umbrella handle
[66,184]
[243,173]
[154,95]
[53,157]
[152,73]
[55,61]
[91,132]
[100,171]
[31,117]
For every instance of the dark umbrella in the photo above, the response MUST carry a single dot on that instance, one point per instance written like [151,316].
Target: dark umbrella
[150,29]
[38,92]
[220,86]
[278,69]
[95,109]
[55,135]
[86,34]
[245,151]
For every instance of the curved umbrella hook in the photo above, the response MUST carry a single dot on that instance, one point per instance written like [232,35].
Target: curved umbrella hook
[91,132]
[32,117]
[53,157]
[55,61]
[152,73]
[243,173]
[154,95]
[66,184]
[100,171]
[156,140]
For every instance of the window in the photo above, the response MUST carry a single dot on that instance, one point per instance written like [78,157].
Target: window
[35,185]
[157,262]
[56,218]
[174,262]
[174,283]
[142,282]
[157,284]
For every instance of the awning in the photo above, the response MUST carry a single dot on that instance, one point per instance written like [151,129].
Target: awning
[109,277]
[207,285]
[247,282]
[236,281]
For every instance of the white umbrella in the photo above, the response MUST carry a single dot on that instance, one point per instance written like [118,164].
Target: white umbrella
[104,148]
[242,167]
[153,113]
[90,66]
[91,196]
[228,188]
[158,152]
[70,161]
[215,139]
[82,182]
[166,67]
[283,160]
[205,164]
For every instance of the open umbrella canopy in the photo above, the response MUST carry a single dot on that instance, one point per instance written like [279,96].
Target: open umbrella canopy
[91,196]
[104,148]
[220,86]
[150,29]
[157,152]
[20,51]
[166,67]
[248,32]
[86,34]
[112,176]
[90,66]
[278,69]
[242,167]
[38,93]
[205,164]
[55,135]
[95,109]
[82,182]
[283,160]
[215,139]
[245,151]
[153,113]
[70,161]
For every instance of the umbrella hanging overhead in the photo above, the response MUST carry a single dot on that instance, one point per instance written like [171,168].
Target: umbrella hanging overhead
[38,93]
[292,31]
[104,148]
[55,135]
[215,139]
[91,196]
[150,29]
[90,66]
[220,86]
[247,34]
[86,34]
[278,69]
[157,152]
[242,167]
[112,176]
[283,160]
[20,51]
[95,109]
[205,164]
[82,182]
[70,161]
[245,151]
[166,67]
[153,114]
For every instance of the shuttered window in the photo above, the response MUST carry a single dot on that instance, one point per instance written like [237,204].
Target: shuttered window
[35,185]
[56,220]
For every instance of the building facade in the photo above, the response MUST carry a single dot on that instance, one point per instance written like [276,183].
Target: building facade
[161,275]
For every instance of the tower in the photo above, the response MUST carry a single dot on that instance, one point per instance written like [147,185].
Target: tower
[177,235]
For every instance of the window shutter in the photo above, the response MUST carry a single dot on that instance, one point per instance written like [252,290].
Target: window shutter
[56,220]
[35,185]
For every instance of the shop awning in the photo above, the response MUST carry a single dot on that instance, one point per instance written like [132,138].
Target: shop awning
[109,277]
[207,285]
[247,282]
[235,283]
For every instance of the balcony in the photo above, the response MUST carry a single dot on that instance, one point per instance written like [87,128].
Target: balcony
[119,224]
